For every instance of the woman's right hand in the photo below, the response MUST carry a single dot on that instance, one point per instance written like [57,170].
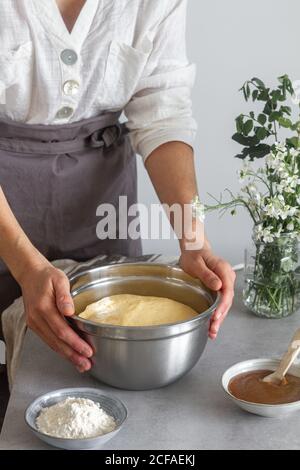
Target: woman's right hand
[47,300]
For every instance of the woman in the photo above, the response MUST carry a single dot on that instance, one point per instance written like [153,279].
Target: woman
[68,68]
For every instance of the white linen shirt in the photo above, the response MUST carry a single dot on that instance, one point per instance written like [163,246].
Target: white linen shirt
[125,55]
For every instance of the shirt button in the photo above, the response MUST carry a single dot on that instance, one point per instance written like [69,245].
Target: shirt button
[64,112]
[71,87]
[69,57]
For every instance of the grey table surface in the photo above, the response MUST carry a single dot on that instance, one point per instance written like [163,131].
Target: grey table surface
[193,413]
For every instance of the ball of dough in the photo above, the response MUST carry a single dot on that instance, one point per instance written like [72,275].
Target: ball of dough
[137,310]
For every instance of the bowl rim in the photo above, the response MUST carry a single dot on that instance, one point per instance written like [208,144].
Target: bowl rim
[260,405]
[77,389]
[195,319]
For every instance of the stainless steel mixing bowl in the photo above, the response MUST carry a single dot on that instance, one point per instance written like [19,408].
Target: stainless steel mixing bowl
[141,358]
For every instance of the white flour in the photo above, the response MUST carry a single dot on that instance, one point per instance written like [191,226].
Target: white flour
[75,418]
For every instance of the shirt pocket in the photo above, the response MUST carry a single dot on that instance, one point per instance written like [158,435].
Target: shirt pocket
[15,69]
[124,68]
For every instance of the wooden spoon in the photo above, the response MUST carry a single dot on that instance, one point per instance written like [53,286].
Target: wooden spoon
[277,377]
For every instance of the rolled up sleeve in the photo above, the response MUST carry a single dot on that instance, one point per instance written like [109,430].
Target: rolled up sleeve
[161,109]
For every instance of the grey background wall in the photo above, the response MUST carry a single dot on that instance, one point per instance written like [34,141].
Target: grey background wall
[230,41]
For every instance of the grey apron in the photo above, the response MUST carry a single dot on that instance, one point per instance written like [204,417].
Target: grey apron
[54,178]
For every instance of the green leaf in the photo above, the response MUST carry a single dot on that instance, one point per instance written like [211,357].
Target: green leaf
[244,154]
[245,93]
[248,126]
[296,126]
[262,119]
[267,109]
[274,116]
[286,83]
[252,115]
[259,151]
[293,141]
[258,82]
[248,92]
[264,95]
[283,78]
[284,122]
[286,109]
[276,95]
[282,97]
[239,123]
[247,141]
[255,95]
[261,133]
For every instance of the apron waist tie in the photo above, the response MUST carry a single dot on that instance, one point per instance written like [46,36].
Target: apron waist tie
[108,136]
[89,135]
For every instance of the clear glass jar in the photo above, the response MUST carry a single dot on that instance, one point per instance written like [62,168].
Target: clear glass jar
[272,278]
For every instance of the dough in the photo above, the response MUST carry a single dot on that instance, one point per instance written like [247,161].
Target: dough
[137,310]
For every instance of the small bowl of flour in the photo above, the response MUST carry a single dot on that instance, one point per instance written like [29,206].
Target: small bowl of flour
[76,418]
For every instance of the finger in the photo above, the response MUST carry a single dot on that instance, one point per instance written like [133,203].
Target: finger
[63,296]
[227,275]
[227,294]
[207,276]
[222,309]
[64,333]
[224,271]
[216,324]
[43,330]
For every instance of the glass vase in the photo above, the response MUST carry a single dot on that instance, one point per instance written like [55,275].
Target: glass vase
[272,278]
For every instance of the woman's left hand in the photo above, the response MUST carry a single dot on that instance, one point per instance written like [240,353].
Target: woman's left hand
[217,275]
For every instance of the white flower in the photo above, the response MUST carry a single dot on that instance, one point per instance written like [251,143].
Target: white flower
[258,197]
[290,226]
[294,152]
[282,173]
[280,188]
[280,146]
[252,188]
[277,208]
[274,207]
[264,234]
[276,162]
[291,210]
[243,173]
[267,236]
[279,231]
[288,184]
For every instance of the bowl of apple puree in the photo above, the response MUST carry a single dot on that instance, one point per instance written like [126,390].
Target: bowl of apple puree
[249,386]
[244,385]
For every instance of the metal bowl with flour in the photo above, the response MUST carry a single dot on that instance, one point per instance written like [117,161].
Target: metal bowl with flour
[141,358]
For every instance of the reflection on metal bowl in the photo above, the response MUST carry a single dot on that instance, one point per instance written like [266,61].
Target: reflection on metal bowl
[141,358]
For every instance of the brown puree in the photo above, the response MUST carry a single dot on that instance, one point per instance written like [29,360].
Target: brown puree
[250,387]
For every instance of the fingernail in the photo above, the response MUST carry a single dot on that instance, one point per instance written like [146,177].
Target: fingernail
[67,305]
[215,282]
[85,364]
[80,369]
[67,309]
[87,352]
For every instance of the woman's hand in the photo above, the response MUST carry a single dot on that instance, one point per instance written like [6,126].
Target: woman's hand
[47,300]
[216,274]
